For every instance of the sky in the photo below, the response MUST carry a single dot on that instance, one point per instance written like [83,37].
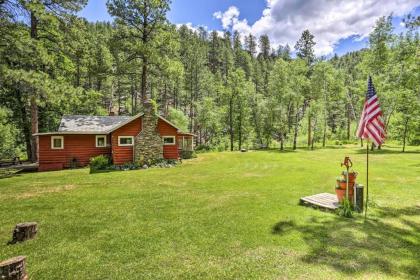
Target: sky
[339,26]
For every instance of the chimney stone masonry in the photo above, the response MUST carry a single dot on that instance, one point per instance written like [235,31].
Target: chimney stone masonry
[148,145]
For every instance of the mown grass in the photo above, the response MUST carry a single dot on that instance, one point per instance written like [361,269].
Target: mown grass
[220,216]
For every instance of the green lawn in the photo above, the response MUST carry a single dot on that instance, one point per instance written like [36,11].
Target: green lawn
[220,216]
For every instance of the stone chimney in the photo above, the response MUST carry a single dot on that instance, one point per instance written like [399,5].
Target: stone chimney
[148,145]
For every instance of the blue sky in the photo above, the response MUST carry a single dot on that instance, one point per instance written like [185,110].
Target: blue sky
[339,26]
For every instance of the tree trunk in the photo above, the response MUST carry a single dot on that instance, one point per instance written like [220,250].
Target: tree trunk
[348,123]
[240,129]
[78,71]
[405,133]
[34,106]
[34,129]
[14,268]
[25,125]
[144,79]
[132,99]
[324,136]
[295,134]
[309,129]
[119,97]
[191,100]
[231,122]
[314,130]
[281,143]
[312,144]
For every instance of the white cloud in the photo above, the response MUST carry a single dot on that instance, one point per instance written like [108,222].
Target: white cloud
[228,17]
[192,27]
[284,20]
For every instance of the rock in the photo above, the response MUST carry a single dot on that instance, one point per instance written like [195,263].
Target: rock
[24,231]
[145,166]
[13,269]
[243,150]
[148,145]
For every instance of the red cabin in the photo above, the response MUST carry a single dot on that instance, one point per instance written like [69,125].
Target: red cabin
[80,138]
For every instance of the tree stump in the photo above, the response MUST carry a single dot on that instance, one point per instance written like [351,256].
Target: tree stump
[13,269]
[24,231]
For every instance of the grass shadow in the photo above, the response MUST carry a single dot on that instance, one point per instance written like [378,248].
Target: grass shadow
[355,247]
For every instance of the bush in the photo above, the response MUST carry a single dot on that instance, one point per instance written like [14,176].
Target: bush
[188,154]
[203,148]
[345,210]
[99,163]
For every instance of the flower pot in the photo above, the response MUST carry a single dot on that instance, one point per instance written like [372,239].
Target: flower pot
[352,176]
[343,185]
[341,194]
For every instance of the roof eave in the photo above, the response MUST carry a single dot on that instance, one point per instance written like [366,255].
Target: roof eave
[70,132]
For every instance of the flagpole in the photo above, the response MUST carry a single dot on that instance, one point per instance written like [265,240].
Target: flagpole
[367,176]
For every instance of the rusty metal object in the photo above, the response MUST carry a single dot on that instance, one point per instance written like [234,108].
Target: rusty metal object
[347,162]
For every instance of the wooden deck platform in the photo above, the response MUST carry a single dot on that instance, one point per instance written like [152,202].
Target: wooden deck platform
[322,200]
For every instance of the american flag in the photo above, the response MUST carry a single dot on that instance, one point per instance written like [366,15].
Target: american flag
[371,125]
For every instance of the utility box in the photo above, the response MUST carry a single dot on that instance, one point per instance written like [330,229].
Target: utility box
[358,198]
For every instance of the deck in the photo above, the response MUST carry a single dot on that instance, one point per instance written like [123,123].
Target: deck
[327,201]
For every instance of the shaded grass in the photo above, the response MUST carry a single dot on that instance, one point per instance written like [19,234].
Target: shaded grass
[220,216]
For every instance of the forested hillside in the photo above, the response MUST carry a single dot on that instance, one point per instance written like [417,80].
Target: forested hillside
[232,92]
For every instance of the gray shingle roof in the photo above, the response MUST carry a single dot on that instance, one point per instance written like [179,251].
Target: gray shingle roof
[99,124]
[80,124]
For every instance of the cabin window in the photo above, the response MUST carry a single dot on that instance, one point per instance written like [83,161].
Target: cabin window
[100,141]
[57,142]
[125,140]
[168,140]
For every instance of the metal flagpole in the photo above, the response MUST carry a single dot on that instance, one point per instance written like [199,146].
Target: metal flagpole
[367,176]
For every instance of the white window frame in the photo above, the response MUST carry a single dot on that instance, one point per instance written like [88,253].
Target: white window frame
[169,144]
[96,141]
[125,145]
[52,142]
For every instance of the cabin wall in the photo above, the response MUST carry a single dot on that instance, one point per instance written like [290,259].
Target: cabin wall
[123,154]
[83,147]
[165,129]
[79,147]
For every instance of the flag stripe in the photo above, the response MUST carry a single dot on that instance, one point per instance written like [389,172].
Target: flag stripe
[371,125]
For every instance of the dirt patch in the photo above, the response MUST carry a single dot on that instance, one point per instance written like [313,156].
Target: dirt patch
[42,191]
[251,174]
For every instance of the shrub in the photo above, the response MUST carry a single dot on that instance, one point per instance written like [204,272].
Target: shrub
[99,163]
[345,209]
[203,148]
[188,154]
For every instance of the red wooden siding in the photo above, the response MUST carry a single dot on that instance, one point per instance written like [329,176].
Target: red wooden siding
[80,147]
[83,147]
[124,154]
[165,129]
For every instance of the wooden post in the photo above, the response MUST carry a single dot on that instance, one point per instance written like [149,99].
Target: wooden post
[347,182]
[24,231]
[13,269]
[367,177]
